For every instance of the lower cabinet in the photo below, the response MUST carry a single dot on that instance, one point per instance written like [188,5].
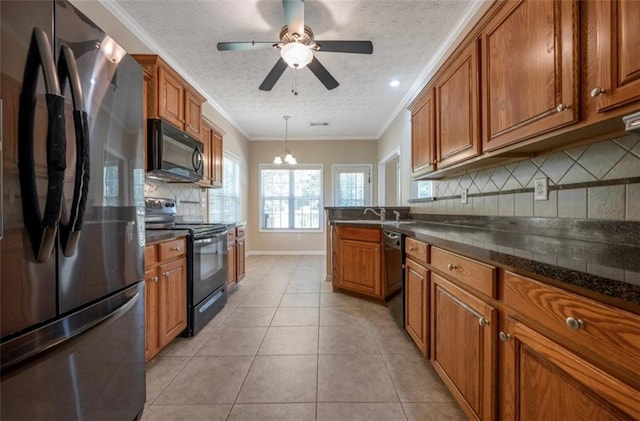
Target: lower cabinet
[416,296]
[166,294]
[357,260]
[240,254]
[232,278]
[463,337]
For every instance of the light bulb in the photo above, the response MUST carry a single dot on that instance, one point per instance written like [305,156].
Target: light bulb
[277,160]
[296,55]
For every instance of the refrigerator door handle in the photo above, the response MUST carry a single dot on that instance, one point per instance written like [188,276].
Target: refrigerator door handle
[41,228]
[71,225]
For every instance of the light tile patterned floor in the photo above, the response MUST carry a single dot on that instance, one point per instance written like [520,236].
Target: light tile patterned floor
[287,348]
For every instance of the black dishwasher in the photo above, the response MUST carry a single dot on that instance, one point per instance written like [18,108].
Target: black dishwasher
[394,267]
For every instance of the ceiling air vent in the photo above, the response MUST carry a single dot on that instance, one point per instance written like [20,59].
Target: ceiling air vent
[319,123]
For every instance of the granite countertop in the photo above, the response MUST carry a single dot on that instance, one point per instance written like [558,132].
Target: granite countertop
[608,271]
[155,236]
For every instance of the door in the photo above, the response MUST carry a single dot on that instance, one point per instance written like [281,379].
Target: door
[109,255]
[423,132]
[352,185]
[416,294]
[171,92]
[462,347]
[240,268]
[172,300]
[28,287]
[360,263]
[193,114]
[529,70]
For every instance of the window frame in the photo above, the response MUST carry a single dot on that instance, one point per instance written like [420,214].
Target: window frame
[320,228]
[238,162]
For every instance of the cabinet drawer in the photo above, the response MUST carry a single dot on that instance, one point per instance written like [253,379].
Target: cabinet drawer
[417,250]
[606,331]
[239,232]
[359,234]
[474,274]
[171,249]
[150,256]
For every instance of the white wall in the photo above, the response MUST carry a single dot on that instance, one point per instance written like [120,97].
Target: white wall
[399,135]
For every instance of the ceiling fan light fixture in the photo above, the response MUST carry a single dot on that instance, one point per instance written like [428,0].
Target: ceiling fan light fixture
[296,55]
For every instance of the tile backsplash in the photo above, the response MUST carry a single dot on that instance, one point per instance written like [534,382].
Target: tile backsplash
[597,181]
[189,199]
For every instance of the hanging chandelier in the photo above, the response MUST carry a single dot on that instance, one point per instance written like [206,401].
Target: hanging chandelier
[286,157]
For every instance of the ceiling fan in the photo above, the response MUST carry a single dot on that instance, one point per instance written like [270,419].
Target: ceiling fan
[296,47]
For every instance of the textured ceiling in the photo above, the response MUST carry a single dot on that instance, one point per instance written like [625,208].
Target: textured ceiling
[405,34]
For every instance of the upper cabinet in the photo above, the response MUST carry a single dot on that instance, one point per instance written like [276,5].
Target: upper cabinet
[423,132]
[457,97]
[170,97]
[213,150]
[615,61]
[529,70]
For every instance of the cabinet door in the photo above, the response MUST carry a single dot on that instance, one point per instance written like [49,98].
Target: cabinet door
[172,299]
[171,97]
[423,131]
[208,154]
[545,381]
[618,61]
[457,109]
[240,270]
[231,265]
[151,313]
[416,295]
[360,267]
[216,159]
[529,70]
[462,347]
[193,114]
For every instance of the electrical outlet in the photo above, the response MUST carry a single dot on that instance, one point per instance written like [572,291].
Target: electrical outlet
[463,196]
[299,237]
[540,189]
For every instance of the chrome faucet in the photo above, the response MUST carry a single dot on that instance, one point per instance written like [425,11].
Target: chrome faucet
[381,214]
[397,214]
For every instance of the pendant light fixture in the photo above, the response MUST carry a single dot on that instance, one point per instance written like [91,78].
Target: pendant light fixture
[286,157]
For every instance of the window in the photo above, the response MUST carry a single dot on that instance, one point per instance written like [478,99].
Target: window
[224,203]
[290,199]
[422,189]
[352,185]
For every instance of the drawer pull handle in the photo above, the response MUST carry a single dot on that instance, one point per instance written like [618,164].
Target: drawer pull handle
[561,107]
[575,324]
[451,266]
[175,248]
[483,322]
[504,337]
[597,92]
[412,248]
[154,279]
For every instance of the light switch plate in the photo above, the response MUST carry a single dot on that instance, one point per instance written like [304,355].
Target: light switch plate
[463,196]
[540,189]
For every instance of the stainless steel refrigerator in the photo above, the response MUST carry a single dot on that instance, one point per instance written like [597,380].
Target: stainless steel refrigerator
[72,220]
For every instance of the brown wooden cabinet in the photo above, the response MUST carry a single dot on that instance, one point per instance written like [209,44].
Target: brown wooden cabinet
[457,108]
[213,156]
[240,253]
[463,337]
[357,260]
[423,132]
[170,97]
[416,296]
[616,60]
[529,70]
[587,352]
[232,279]
[166,294]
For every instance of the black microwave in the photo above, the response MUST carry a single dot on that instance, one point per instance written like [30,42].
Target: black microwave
[173,154]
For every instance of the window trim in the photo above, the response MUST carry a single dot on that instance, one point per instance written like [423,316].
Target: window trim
[261,199]
[334,192]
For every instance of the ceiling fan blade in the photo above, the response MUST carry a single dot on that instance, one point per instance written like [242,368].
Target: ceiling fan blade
[242,46]
[276,71]
[294,15]
[322,74]
[358,47]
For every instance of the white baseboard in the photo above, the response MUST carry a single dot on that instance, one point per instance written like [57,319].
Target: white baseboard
[286,253]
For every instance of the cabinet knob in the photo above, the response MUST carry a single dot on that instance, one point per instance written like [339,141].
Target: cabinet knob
[166,274]
[561,107]
[175,248]
[412,248]
[504,337]
[483,322]
[575,324]
[154,279]
[597,92]
[451,266]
